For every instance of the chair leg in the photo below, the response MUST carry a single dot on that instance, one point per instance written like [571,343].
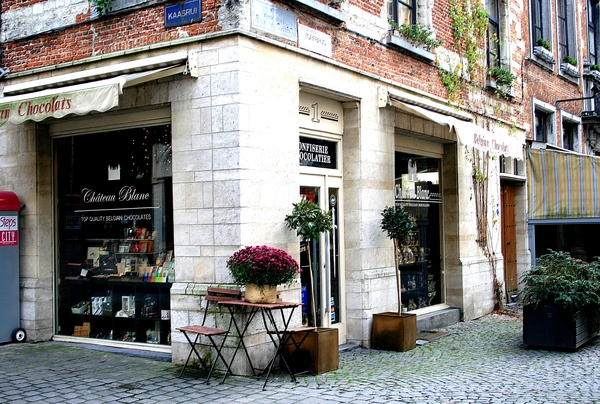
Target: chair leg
[218,348]
[193,349]
[297,345]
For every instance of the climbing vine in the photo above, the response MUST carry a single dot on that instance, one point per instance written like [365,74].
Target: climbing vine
[480,162]
[102,7]
[469,26]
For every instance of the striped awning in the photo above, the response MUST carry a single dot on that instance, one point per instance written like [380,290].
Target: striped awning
[562,185]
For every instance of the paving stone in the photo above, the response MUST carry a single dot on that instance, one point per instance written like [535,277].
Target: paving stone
[481,361]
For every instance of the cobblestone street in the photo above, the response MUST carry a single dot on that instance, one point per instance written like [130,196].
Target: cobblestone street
[482,361]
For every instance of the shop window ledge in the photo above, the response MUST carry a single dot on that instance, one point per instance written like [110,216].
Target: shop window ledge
[406,46]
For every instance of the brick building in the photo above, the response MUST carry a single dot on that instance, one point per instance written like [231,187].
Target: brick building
[157,138]
[563,79]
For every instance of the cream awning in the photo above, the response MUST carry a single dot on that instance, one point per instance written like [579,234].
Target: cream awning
[468,133]
[79,99]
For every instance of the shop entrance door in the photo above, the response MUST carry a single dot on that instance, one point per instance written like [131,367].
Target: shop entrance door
[509,237]
[322,276]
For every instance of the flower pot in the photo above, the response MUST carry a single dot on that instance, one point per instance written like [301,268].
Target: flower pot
[319,350]
[553,327]
[260,293]
[393,332]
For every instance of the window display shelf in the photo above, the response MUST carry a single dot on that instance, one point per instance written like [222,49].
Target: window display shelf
[117,309]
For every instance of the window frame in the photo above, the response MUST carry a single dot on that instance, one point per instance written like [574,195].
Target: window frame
[565,29]
[592,31]
[548,112]
[574,122]
[544,30]
[411,5]
[537,28]
[494,59]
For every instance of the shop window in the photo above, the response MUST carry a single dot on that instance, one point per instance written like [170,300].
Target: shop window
[567,48]
[417,189]
[579,240]
[115,260]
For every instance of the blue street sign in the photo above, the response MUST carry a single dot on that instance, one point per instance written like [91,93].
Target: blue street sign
[183,13]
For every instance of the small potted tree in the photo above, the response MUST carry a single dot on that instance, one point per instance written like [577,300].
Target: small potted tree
[561,298]
[319,347]
[395,331]
[309,221]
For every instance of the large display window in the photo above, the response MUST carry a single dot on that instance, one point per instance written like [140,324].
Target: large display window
[417,190]
[114,256]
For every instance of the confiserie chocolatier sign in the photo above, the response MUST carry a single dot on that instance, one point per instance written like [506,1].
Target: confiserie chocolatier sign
[317,153]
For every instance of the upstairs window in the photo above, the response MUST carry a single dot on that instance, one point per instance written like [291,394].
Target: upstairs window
[544,123]
[592,17]
[565,30]
[493,33]
[540,21]
[537,21]
[404,12]
[570,132]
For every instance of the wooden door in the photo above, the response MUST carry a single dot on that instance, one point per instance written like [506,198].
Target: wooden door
[509,237]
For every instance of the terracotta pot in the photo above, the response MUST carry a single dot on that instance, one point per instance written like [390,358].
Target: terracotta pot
[260,293]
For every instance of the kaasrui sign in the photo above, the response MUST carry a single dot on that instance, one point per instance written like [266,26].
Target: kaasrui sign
[57,104]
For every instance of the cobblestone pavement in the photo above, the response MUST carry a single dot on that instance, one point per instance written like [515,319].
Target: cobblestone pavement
[481,361]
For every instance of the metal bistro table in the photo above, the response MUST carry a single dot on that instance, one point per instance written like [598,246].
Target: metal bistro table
[269,313]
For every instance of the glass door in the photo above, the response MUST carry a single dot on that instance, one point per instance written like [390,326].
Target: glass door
[321,261]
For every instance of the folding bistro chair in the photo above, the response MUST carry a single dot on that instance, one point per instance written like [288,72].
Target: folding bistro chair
[297,336]
[213,295]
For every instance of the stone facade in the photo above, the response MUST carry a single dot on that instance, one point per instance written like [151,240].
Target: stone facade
[235,128]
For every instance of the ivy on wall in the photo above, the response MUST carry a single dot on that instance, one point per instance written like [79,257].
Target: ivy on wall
[102,7]
[480,162]
[469,27]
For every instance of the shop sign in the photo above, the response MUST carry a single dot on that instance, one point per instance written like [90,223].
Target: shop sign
[417,189]
[274,19]
[317,153]
[183,13]
[314,40]
[19,109]
[114,204]
[9,233]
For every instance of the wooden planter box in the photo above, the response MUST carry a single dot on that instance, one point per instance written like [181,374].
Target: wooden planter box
[320,351]
[552,327]
[393,332]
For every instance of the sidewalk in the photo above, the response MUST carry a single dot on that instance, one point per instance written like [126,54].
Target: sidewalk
[480,361]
